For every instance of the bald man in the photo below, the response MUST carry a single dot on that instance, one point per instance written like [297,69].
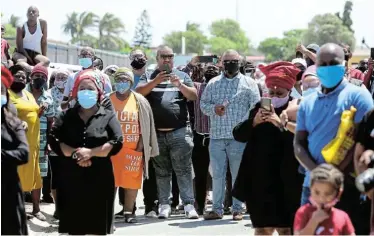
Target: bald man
[318,121]
[31,41]
[227,100]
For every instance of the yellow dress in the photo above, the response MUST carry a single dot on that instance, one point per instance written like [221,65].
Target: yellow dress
[27,110]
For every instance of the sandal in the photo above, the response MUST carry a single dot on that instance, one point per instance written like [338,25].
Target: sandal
[130,218]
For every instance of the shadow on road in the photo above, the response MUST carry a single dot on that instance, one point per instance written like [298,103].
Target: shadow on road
[203,223]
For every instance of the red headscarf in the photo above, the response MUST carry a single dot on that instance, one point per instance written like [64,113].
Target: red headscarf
[6,77]
[94,77]
[280,74]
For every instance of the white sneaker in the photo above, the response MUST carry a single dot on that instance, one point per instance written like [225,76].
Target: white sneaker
[164,212]
[190,212]
[151,214]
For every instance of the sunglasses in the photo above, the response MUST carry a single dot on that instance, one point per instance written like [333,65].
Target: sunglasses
[230,61]
[167,56]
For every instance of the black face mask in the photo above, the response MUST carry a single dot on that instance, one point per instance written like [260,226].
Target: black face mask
[38,83]
[309,62]
[138,63]
[17,86]
[346,57]
[231,68]
[210,74]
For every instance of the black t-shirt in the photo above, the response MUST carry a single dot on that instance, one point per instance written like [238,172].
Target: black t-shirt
[365,134]
[168,104]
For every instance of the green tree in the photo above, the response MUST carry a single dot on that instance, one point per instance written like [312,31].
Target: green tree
[195,39]
[273,48]
[230,30]
[346,17]
[218,45]
[14,21]
[328,28]
[143,35]
[77,25]
[110,27]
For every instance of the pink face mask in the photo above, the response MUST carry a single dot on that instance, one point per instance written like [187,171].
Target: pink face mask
[324,206]
[279,102]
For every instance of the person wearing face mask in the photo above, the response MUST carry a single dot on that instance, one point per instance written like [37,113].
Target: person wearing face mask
[84,138]
[200,152]
[311,83]
[39,76]
[268,179]
[320,217]
[226,100]
[136,118]
[318,126]
[86,60]
[14,153]
[138,60]
[28,111]
[301,64]
[61,77]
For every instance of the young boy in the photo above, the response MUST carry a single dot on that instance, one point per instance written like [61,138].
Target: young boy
[320,217]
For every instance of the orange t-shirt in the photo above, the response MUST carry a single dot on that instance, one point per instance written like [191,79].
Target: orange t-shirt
[128,163]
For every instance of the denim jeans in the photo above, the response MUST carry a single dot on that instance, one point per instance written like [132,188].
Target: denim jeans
[223,151]
[175,154]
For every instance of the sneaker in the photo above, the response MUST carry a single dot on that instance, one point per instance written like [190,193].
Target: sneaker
[151,214]
[212,215]
[237,216]
[164,212]
[119,215]
[190,212]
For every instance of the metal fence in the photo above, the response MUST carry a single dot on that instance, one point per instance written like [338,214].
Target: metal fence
[68,54]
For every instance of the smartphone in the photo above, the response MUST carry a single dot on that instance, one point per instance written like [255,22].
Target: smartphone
[372,53]
[167,68]
[208,59]
[266,103]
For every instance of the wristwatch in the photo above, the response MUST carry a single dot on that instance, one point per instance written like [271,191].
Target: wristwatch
[74,154]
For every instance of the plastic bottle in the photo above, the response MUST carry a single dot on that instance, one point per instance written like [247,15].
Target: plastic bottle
[335,151]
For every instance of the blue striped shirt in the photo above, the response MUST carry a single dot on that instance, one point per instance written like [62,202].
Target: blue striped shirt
[240,93]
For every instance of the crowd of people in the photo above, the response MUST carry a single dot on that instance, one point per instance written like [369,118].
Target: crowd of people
[259,136]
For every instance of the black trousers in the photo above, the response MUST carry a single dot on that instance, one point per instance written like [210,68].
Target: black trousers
[200,161]
[149,192]
[46,190]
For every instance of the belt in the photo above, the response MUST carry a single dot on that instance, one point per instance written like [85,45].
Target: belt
[205,137]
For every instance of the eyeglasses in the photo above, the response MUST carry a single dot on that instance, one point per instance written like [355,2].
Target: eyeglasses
[230,61]
[167,56]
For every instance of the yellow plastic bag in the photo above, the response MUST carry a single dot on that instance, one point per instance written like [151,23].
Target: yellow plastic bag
[336,150]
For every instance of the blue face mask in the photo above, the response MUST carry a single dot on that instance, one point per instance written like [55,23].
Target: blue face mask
[330,76]
[310,91]
[87,98]
[4,100]
[122,87]
[85,62]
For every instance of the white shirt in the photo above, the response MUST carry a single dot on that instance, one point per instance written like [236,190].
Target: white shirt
[33,41]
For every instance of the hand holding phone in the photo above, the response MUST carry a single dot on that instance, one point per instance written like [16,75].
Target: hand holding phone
[266,104]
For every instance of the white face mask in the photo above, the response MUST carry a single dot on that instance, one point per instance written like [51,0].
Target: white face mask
[60,84]
[311,91]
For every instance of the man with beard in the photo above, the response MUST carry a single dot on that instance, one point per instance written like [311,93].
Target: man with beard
[138,62]
[227,100]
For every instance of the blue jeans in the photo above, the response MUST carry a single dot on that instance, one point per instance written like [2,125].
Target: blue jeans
[223,151]
[305,194]
[175,154]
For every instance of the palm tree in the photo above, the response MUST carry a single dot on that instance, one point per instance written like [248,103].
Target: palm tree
[14,21]
[77,25]
[110,27]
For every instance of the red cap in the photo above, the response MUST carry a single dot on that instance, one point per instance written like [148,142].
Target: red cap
[6,77]
[40,69]
[280,74]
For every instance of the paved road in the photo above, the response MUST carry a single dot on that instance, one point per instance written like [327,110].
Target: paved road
[176,225]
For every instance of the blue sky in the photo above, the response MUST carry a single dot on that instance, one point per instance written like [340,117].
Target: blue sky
[259,18]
